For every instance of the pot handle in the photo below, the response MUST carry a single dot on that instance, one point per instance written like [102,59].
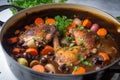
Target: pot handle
[115,68]
[3,7]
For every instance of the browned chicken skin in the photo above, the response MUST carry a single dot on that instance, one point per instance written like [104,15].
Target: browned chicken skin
[83,38]
[66,55]
[37,36]
[85,42]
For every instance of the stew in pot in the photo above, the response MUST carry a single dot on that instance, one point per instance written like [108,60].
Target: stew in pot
[61,45]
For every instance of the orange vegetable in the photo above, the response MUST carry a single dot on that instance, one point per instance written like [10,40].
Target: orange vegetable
[102,32]
[80,70]
[38,68]
[105,56]
[47,49]
[13,40]
[87,23]
[16,50]
[50,21]
[38,21]
[27,27]
[17,32]
[73,25]
[67,33]
[32,51]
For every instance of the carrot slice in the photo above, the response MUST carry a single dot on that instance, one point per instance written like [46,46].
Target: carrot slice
[47,49]
[50,21]
[73,25]
[105,56]
[102,32]
[38,21]
[13,40]
[38,68]
[32,51]
[16,50]
[80,70]
[87,23]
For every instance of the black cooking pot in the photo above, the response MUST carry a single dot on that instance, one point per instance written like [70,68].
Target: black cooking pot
[27,16]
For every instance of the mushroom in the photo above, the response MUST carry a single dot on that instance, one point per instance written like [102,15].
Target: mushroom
[50,68]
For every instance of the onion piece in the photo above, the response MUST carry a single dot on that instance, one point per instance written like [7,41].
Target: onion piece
[94,27]
[50,68]
[77,21]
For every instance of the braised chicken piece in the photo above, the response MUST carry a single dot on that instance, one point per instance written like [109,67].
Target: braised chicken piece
[84,39]
[37,36]
[66,55]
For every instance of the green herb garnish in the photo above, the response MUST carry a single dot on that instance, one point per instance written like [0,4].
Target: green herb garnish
[81,59]
[70,49]
[80,27]
[84,62]
[61,23]
[89,31]
[118,18]
[76,68]
[43,30]
[81,43]
[71,44]
[87,63]
[31,3]
[68,38]
[14,11]
[35,38]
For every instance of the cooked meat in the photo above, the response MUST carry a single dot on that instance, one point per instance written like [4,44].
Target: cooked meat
[37,36]
[84,39]
[66,55]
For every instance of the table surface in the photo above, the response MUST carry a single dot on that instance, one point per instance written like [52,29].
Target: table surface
[110,6]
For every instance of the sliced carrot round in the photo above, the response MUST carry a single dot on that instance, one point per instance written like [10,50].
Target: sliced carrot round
[38,68]
[47,49]
[81,70]
[32,51]
[39,21]
[87,23]
[105,56]
[102,32]
[73,25]
[50,21]
[13,40]
[16,50]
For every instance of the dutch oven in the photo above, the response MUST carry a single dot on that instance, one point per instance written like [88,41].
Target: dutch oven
[27,16]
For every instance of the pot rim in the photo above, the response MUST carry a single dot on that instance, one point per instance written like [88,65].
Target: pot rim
[61,5]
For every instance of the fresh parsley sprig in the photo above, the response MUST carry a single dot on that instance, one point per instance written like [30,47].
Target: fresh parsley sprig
[118,18]
[61,23]
[31,3]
